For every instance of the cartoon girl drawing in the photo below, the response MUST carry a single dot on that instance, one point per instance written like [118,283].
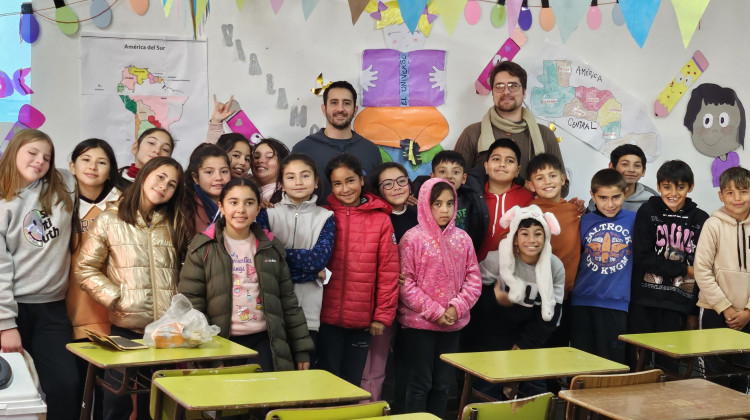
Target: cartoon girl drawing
[716,118]
[402,86]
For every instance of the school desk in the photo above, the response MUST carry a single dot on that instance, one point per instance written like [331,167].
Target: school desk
[685,399]
[264,390]
[100,358]
[689,344]
[410,416]
[526,365]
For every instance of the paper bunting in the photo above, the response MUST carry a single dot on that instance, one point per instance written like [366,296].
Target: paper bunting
[29,26]
[66,18]
[569,13]
[199,10]
[514,9]
[472,12]
[689,13]
[411,11]
[319,81]
[356,7]
[639,15]
[497,14]
[140,7]
[100,13]
[167,7]
[240,4]
[546,17]
[594,16]
[308,6]
[450,12]
[617,17]
[524,16]
[276,5]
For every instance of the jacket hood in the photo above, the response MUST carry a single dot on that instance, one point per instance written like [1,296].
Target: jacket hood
[321,137]
[722,214]
[286,201]
[689,206]
[424,210]
[215,232]
[373,203]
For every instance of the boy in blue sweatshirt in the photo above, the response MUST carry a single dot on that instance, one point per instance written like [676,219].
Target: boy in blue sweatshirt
[600,297]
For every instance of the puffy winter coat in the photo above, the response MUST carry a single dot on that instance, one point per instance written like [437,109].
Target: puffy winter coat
[206,280]
[364,266]
[130,269]
[441,270]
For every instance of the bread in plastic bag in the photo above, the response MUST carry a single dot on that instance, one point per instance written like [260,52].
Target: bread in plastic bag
[181,326]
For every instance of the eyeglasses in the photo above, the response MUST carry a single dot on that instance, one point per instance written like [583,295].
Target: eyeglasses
[513,87]
[388,184]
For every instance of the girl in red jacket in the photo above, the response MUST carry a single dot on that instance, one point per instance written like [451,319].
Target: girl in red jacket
[361,297]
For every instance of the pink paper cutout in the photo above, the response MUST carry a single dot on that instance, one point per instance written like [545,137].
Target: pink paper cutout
[276,5]
[472,12]
[514,10]
[594,17]
[19,80]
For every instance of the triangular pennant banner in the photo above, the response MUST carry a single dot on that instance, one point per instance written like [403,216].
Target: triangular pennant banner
[308,6]
[356,7]
[450,12]
[200,13]
[411,11]
[240,4]
[276,5]
[689,13]
[568,13]
[167,7]
[639,15]
[514,9]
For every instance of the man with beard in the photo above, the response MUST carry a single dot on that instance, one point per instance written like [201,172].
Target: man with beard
[339,107]
[508,118]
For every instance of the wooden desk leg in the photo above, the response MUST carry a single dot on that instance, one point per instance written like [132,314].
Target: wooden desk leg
[641,355]
[468,384]
[179,412]
[88,392]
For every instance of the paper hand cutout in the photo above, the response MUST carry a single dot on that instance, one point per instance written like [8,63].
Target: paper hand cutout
[438,79]
[366,78]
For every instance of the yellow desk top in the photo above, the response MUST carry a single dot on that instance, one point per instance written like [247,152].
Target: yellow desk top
[686,399]
[259,390]
[410,416]
[524,365]
[217,349]
[692,343]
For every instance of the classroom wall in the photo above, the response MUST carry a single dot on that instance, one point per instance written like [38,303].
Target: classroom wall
[295,51]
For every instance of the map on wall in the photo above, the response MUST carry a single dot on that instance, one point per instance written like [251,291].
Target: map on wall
[583,102]
[129,85]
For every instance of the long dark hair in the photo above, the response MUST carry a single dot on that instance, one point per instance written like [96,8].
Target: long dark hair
[114,179]
[199,155]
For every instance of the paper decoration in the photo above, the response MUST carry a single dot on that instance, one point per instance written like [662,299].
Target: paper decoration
[29,26]
[524,16]
[276,5]
[617,17]
[269,84]
[19,81]
[319,82]
[688,74]
[450,12]
[227,31]
[199,10]
[403,78]
[513,8]
[639,15]
[254,68]
[28,117]
[281,102]
[356,7]
[139,6]
[411,11]
[6,85]
[546,17]
[594,16]
[308,6]
[167,7]
[240,51]
[507,52]
[100,13]
[241,124]
[387,126]
[66,18]
[240,4]
[472,12]
[689,13]
[716,119]
[298,117]
[569,14]
[497,14]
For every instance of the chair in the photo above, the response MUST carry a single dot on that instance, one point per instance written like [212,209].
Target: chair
[606,381]
[164,405]
[530,408]
[344,412]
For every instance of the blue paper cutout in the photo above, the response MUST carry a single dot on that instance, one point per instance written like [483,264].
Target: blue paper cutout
[568,14]
[308,6]
[411,11]
[639,16]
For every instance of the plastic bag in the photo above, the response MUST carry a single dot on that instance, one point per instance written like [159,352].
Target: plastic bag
[181,326]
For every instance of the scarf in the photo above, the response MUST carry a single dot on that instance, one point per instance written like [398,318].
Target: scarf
[133,171]
[491,118]
[211,208]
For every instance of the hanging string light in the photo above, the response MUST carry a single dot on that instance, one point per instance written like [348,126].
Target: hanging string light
[29,26]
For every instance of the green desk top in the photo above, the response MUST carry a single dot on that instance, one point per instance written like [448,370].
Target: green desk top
[524,365]
[217,349]
[259,390]
[692,343]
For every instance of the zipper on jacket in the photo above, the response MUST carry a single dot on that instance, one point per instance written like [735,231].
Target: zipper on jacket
[345,266]
[294,232]
[494,221]
[151,266]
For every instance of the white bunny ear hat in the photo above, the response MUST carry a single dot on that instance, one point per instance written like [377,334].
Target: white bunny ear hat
[511,219]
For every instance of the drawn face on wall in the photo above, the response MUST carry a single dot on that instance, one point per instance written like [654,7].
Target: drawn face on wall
[715,129]
[398,37]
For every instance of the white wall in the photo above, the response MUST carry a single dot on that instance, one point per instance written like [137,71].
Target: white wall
[295,51]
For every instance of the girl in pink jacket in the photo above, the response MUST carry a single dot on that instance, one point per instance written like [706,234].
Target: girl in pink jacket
[442,283]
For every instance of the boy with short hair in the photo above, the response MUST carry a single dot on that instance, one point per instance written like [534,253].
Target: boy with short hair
[667,228]
[722,270]
[630,161]
[601,293]
[501,190]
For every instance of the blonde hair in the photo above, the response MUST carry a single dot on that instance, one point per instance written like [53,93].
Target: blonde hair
[392,15]
[55,189]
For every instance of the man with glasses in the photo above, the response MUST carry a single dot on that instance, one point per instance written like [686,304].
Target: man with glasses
[339,107]
[508,118]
